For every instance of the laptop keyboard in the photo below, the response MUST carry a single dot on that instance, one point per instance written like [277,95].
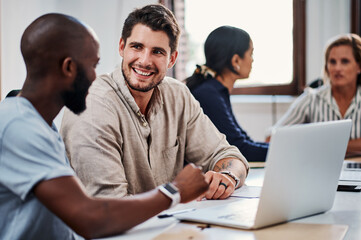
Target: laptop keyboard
[242,213]
[351,172]
[353,166]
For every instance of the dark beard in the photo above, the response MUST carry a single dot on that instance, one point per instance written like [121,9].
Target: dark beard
[75,99]
[144,89]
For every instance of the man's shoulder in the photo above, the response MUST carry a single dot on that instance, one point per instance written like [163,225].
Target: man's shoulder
[18,111]
[23,123]
[171,84]
[102,84]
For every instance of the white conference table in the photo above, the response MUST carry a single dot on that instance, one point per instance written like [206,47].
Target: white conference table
[343,221]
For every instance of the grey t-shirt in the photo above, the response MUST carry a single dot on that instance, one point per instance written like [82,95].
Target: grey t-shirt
[30,152]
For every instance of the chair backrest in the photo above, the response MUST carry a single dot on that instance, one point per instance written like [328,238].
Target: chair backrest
[318,82]
[13,93]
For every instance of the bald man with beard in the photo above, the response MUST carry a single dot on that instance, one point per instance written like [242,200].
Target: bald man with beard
[40,196]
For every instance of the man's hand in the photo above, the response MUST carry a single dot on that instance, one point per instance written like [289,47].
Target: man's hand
[191,183]
[221,186]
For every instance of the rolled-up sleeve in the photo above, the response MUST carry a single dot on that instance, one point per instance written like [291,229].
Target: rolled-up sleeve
[205,144]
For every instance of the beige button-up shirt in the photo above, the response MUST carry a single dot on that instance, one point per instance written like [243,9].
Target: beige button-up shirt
[117,151]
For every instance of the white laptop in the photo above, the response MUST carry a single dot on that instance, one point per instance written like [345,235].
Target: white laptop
[301,175]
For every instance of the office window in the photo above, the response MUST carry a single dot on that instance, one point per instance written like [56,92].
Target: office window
[277,31]
[356,16]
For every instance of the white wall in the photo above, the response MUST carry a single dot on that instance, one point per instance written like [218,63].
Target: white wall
[325,19]
[256,114]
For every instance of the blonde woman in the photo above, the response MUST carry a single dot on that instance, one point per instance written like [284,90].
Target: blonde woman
[340,96]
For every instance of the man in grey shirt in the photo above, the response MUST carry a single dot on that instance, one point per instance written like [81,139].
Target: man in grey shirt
[140,127]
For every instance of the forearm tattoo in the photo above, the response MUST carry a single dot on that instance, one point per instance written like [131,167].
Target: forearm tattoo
[226,165]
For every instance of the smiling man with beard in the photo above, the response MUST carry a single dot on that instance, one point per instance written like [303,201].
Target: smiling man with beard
[141,127]
[40,195]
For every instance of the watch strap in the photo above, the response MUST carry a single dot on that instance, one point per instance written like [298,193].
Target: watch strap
[172,192]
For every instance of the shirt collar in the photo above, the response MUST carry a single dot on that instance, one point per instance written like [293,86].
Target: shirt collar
[155,102]
[325,93]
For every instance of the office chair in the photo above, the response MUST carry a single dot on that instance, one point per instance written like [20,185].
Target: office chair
[318,82]
[13,93]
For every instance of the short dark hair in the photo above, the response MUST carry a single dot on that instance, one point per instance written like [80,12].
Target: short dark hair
[158,18]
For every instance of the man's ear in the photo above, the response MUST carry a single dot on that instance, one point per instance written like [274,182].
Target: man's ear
[121,47]
[173,58]
[69,68]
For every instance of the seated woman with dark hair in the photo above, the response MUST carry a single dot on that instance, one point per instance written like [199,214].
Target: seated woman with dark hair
[228,51]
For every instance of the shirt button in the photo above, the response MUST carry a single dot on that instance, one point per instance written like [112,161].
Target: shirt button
[145,124]
[139,114]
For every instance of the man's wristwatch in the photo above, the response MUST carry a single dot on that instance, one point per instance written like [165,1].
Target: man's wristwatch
[172,192]
[230,174]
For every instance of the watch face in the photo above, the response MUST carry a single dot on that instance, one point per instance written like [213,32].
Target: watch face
[170,189]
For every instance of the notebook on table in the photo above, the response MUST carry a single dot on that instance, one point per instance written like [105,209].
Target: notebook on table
[302,170]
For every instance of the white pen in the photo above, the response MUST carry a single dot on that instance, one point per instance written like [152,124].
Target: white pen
[176,212]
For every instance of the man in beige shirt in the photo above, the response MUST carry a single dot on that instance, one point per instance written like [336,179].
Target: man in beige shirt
[140,127]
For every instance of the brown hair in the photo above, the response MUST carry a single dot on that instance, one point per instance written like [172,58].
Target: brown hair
[158,18]
[352,40]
